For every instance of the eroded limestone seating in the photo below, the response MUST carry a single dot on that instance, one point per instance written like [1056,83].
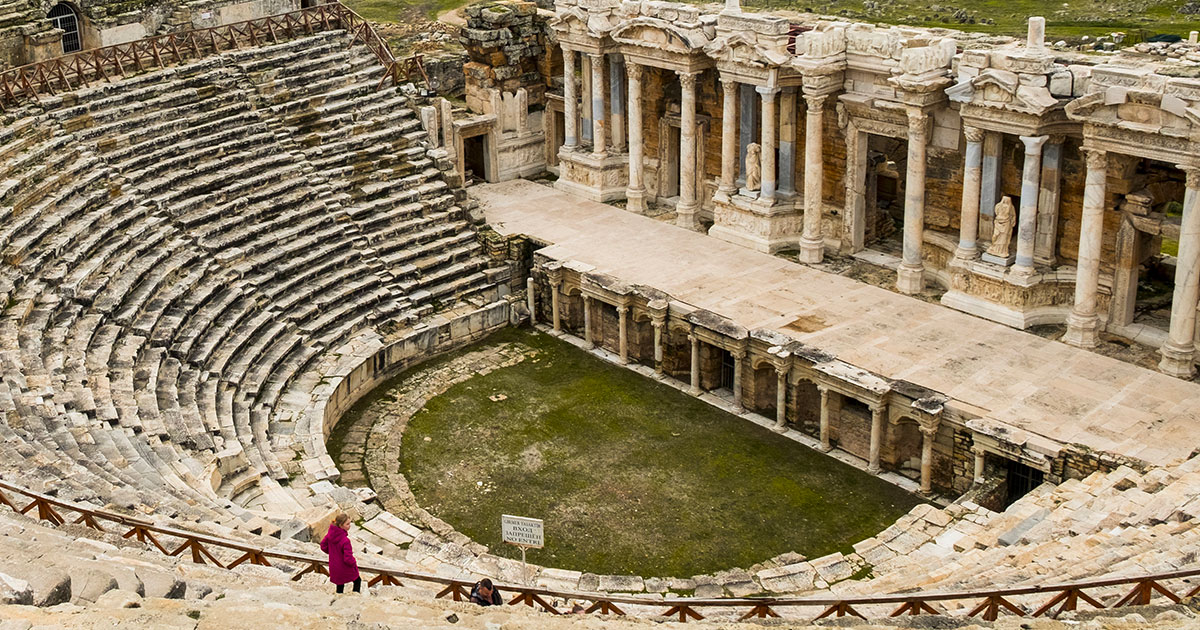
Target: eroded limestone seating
[181,248]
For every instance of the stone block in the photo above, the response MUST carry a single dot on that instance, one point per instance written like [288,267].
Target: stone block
[14,592]
[622,583]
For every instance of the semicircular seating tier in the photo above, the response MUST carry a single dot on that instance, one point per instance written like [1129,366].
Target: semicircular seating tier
[183,251]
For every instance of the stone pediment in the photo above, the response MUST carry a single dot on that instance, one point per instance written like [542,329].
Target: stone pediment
[660,35]
[1001,89]
[1136,110]
[743,49]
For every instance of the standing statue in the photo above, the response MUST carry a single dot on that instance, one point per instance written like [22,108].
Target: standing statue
[753,166]
[1002,228]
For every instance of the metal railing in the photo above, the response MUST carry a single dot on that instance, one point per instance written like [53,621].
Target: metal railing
[986,604]
[75,70]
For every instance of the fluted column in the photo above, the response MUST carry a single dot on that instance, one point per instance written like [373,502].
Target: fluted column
[531,301]
[623,333]
[688,201]
[570,103]
[812,246]
[587,321]
[769,122]
[911,275]
[826,446]
[739,357]
[694,389]
[927,435]
[635,195]
[979,459]
[555,290]
[729,136]
[873,466]
[968,227]
[616,101]
[585,100]
[1031,176]
[1083,323]
[781,374]
[1178,352]
[599,120]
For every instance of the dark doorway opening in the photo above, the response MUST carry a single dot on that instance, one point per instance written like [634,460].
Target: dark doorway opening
[1020,480]
[726,370]
[64,17]
[475,157]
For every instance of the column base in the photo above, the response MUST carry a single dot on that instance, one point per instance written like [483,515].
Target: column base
[635,200]
[874,469]
[686,215]
[745,221]
[965,254]
[811,251]
[1177,361]
[1083,331]
[596,178]
[1022,271]
[825,448]
[910,279]
[779,428]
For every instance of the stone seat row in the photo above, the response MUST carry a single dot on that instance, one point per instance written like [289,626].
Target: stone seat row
[177,269]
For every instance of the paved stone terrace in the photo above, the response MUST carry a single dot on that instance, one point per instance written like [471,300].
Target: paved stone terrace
[1045,387]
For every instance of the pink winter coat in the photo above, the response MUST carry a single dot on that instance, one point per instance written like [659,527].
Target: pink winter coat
[342,567]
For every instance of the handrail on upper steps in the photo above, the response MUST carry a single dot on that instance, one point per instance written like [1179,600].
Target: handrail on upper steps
[986,604]
[70,72]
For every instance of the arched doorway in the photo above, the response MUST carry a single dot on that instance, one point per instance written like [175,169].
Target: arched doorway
[64,16]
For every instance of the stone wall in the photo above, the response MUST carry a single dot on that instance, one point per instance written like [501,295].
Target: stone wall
[504,42]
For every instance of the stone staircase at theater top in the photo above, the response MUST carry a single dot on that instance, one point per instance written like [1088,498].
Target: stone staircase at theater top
[181,249]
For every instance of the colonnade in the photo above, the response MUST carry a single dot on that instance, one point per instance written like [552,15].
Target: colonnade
[737,350]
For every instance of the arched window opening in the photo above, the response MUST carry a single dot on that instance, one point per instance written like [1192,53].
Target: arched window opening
[64,17]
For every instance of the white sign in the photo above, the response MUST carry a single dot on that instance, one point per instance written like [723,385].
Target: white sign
[521,531]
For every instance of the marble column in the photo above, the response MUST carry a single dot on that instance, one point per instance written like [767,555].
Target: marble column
[1083,324]
[1179,350]
[911,275]
[979,458]
[968,228]
[688,201]
[694,388]
[826,446]
[812,245]
[781,374]
[927,436]
[729,137]
[623,333]
[787,142]
[989,190]
[585,100]
[769,120]
[587,322]
[555,290]
[747,126]
[1045,244]
[635,194]
[530,301]
[599,124]
[1031,175]
[570,102]
[739,357]
[616,101]
[658,323]
[877,411]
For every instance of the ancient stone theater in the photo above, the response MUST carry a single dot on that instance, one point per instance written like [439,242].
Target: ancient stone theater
[967,265]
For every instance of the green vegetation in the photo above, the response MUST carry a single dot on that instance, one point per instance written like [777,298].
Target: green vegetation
[630,475]
[401,11]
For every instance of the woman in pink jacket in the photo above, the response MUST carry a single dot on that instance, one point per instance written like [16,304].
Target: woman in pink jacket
[342,567]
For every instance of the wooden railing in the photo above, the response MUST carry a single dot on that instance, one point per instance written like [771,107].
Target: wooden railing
[1049,600]
[72,71]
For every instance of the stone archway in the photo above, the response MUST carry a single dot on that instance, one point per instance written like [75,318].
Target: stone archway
[66,17]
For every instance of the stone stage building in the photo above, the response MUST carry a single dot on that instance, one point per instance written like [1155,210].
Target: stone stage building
[1033,186]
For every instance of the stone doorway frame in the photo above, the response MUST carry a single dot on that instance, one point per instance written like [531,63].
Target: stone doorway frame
[670,161]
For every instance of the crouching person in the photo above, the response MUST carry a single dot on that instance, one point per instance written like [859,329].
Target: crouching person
[485,593]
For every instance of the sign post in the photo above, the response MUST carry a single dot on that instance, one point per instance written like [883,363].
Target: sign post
[526,533]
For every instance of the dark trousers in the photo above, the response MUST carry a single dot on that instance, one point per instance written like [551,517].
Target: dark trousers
[357,586]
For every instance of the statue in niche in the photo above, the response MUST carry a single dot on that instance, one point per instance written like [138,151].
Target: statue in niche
[753,166]
[1002,228]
